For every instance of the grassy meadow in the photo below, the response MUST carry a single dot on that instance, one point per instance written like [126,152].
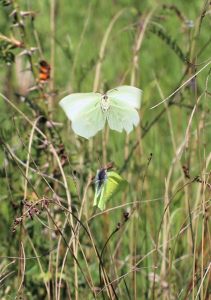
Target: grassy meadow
[153,240]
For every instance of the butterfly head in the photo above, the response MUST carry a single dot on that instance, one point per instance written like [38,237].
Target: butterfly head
[101,177]
[105,103]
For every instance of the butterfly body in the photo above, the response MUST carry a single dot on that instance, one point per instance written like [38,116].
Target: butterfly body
[101,175]
[100,180]
[90,111]
[105,103]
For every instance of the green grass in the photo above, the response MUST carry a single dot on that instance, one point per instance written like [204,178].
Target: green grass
[71,250]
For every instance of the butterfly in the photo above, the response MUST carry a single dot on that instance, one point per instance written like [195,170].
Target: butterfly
[107,185]
[44,71]
[90,111]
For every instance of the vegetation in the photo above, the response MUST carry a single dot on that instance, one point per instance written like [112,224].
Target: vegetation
[153,240]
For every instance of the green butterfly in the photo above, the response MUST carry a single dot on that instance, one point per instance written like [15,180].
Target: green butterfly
[90,111]
[107,185]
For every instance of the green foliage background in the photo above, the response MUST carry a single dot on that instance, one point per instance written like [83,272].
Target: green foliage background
[163,250]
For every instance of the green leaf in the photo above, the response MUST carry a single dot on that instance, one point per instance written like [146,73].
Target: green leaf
[110,187]
[72,186]
[2,157]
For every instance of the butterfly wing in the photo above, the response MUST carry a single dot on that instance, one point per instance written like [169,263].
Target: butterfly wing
[122,117]
[126,94]
[124,100]
[84,110]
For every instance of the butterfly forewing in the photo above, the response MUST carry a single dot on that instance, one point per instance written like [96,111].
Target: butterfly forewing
[74,104]
[84,110]
[126,95]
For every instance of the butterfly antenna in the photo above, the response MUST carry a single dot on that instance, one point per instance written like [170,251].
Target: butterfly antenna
[115,89]
[110,165]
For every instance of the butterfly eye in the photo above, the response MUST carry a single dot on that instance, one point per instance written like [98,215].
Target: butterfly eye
[105,97]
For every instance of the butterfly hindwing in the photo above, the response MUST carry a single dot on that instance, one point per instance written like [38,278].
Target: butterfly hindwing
[122,117]
[89,123]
